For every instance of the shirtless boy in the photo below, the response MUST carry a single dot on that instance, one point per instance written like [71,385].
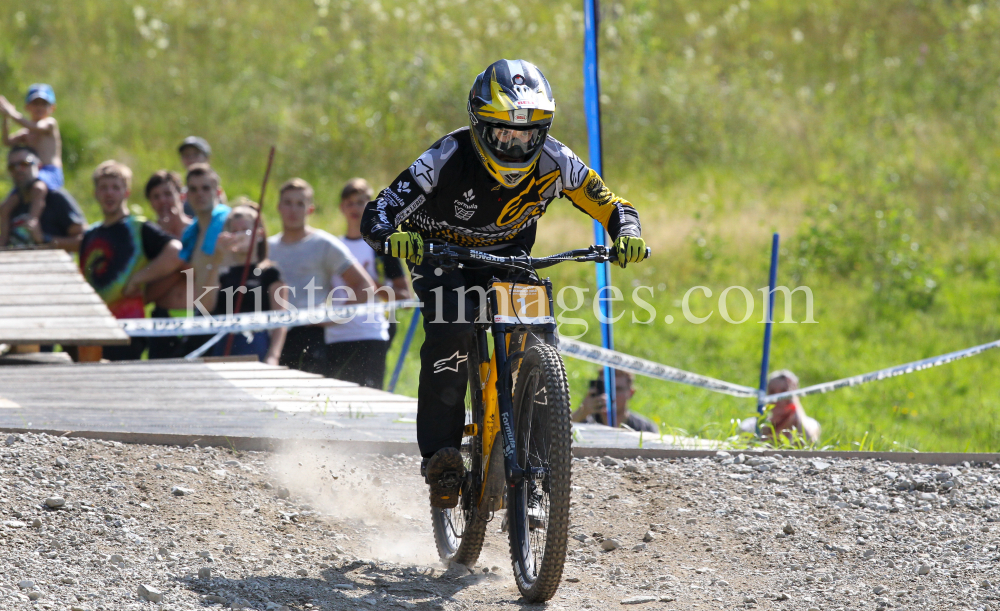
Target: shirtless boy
[199,238]
[163,190]
[40,131]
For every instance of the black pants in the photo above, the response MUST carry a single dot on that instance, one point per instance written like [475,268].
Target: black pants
[361,362]
[448,318]
[305,350]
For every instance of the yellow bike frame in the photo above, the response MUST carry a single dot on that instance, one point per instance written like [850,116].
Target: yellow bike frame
[521,304]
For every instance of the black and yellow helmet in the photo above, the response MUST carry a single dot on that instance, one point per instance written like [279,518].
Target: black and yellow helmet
[511,109]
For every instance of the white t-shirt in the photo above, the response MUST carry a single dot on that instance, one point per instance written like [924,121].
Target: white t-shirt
[315,258]
[364,326]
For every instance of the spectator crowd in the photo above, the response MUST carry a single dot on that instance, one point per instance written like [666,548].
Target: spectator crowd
[201,239]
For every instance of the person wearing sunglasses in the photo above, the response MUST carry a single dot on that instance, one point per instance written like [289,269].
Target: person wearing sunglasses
[35,214]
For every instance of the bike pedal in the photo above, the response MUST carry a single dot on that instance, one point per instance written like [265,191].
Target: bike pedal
[450,479]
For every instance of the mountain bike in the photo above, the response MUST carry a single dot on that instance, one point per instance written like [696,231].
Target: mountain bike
[517,442]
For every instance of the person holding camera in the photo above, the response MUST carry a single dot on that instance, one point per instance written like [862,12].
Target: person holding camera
[595,404]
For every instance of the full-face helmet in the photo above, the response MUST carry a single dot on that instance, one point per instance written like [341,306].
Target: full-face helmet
[511,110]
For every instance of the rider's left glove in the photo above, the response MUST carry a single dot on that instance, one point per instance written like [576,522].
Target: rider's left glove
[406,245]
[629,249]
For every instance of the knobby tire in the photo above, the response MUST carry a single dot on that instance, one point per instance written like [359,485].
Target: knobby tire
[538,512]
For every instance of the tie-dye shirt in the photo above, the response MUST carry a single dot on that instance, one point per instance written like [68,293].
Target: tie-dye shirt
[110,254]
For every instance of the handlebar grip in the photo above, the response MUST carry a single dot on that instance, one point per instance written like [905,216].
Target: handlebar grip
[614,252]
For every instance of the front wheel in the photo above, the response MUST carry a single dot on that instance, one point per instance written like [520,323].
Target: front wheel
[538,512]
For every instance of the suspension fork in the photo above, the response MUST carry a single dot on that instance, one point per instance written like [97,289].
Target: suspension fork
[505,401]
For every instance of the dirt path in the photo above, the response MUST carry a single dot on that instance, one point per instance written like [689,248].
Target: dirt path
[312,529]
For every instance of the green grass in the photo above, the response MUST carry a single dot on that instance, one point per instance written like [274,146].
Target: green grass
[856,128]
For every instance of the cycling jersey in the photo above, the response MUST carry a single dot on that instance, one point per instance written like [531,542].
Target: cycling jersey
[448,195]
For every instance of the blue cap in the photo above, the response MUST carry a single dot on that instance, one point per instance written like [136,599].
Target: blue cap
[40,90]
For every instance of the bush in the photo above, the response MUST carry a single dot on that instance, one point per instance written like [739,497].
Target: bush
[868,235]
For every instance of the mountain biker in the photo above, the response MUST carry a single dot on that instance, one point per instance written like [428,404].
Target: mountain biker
[484,187]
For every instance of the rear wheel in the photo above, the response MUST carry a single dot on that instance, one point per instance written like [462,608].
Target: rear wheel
[459,532]
[538,511]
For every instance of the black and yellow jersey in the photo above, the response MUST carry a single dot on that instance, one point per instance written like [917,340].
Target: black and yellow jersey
[448,195]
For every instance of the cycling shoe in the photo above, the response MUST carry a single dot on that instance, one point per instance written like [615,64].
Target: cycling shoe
[445,473]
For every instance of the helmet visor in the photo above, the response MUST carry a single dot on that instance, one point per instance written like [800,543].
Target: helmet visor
[514,145]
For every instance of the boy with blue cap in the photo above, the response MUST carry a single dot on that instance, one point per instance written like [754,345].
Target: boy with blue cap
[40,131]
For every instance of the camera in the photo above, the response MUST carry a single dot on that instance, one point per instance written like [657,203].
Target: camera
[597,387]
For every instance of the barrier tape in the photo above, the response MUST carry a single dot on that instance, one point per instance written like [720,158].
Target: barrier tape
[883,374]
[252,321]
[611,358]
[262,321]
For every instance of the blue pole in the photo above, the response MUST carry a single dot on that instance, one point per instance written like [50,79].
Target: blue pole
[405,348]
[764,361]
[592,110]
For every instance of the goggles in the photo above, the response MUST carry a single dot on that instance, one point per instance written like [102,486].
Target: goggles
[510,144]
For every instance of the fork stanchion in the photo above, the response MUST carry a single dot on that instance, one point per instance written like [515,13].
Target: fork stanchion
[768,322]
[404,349]
[592,110]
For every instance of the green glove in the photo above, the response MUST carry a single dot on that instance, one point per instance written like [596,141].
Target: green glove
[406,245]
[629,249]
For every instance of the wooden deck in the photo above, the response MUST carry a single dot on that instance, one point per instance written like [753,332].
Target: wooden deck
[241,399]
[150,400]
[44,299]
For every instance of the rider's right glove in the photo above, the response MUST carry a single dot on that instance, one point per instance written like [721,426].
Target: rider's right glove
[406,245]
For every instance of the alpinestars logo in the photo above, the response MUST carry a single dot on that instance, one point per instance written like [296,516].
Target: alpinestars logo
[402,187]
[451,363]
[465,209]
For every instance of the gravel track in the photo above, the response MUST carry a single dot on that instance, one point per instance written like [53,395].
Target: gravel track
[100,525]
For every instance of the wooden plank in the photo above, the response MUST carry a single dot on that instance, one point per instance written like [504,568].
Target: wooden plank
[80,339]
[36,358]
[184,386]
[99,335]
[148,408]
[72,299]
[49,289]
[26,256]
[53,278]
[170,367]
[198,380]
[47,267]
[180,373]
[67,322]
[172,364]
[230,400]
[60,310]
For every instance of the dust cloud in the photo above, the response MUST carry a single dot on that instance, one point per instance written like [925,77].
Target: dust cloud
[377,503]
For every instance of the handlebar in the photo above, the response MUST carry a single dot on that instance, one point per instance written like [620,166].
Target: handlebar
[450,256]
